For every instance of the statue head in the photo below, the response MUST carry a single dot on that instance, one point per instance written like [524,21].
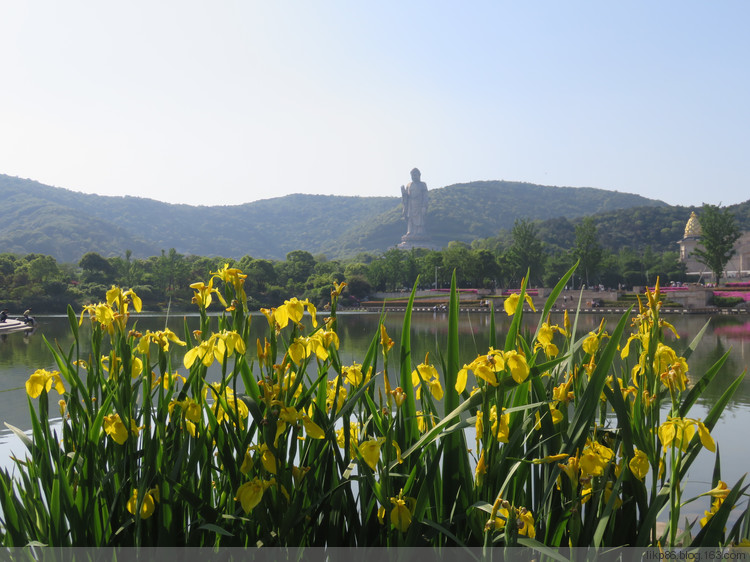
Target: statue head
[415,174]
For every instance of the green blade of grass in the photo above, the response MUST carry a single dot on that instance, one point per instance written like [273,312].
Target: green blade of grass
[410,405]
[554,294]
[456,470]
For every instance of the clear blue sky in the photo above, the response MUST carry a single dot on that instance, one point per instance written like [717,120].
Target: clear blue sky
[219,103]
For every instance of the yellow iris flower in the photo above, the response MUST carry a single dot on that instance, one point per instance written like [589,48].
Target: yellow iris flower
[403,509]
[680,431]
[317,344]
[237,407]
[354,376]
[161,338]
[101,313]
[191,410]
[149,503]
[428,374]
[234,277]
[517,365]
[293,310]
[116,296]
[353,438]
[250,493]
[216,347]
[544,339]
[370,451]
[385,340]
[117,430]
[594,458]
[203,294]
[523,517]
[511,303]
[338,288]
[639,465]
[41,379]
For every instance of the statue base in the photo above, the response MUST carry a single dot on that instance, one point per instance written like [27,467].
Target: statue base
[419,241]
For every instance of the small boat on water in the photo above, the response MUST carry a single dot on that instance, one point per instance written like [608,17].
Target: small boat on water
[10,326]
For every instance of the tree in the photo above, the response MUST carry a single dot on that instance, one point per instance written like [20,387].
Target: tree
[96,269]
[587,249]
[486,268]
[526,253]
[719,232]
[260,274]
[388,272]
[293,272]
[457,256]
[557,265]
[431,268]
[43,269]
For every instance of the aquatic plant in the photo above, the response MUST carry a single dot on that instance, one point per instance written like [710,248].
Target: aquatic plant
[544,440]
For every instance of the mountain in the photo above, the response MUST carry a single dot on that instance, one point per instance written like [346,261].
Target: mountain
[66,224]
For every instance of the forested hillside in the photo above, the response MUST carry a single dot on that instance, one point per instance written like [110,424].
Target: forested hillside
[67,224]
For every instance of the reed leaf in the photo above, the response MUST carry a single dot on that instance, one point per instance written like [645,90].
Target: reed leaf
[552,298]
[410,406]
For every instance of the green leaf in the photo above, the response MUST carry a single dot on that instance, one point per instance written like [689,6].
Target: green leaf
[409,407]
[552,298]
[215,529]
[456,469]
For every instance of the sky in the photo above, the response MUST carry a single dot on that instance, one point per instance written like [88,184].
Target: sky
[224,103]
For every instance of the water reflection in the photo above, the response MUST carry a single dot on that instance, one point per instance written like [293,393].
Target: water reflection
[20,356]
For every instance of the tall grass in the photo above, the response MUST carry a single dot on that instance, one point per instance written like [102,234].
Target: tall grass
[547,440]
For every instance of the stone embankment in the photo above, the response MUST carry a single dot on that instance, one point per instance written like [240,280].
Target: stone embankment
[689,300]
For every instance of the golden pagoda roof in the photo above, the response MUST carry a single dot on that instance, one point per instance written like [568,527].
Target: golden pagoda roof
[693,226]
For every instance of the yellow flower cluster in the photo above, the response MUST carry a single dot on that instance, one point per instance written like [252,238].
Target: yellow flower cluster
[492,366]
[292,310]
[317,344]
[217,346]
[504,513]
[115,312]
[427,374]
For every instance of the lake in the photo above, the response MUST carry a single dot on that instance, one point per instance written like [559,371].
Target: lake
[21,355]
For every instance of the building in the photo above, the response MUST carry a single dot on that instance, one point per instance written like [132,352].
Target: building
[737,268]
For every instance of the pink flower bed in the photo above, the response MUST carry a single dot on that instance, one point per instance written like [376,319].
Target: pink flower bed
[744,295]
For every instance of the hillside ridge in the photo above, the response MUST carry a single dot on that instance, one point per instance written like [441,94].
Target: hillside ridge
[65,224]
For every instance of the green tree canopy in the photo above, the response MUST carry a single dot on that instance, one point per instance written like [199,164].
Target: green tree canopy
[587,249]
[719,232]
[526,252]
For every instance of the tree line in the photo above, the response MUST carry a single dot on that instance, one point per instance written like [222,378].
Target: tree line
[39,282]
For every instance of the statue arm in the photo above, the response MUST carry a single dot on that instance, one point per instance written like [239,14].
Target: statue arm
[405,201]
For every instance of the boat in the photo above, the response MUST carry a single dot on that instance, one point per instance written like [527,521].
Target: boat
[10,326]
